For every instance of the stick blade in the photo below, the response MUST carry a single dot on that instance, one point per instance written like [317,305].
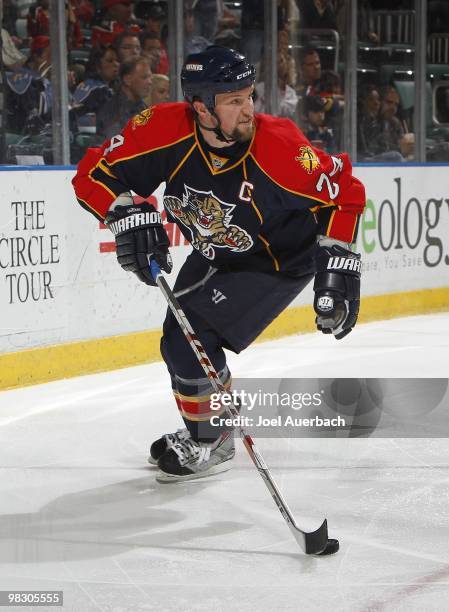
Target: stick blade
[315,541]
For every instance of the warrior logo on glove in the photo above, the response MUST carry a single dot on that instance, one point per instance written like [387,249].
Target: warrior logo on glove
[139,235]
[209,222]
[337,290]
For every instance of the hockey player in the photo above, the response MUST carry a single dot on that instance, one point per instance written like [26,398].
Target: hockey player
[264,212]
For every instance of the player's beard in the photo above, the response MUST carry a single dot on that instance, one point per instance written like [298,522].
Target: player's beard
[243,132]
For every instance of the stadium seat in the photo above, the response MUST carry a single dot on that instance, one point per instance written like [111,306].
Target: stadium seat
[395,26]
[21,28]
[438,71]
[438,48]
[23,7]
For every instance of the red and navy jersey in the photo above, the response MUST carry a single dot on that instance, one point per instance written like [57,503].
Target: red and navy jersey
[258,205]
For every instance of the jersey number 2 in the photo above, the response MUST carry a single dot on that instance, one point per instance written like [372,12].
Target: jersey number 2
[333,188]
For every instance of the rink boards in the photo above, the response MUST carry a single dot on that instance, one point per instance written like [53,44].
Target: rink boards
[68,308]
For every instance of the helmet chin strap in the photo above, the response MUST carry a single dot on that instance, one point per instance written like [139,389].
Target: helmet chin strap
[217,129]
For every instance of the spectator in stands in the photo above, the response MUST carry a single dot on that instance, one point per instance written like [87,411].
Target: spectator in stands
[330,90]
[38,23]
[116,19]
[154,50]
[98,87]
[315,14]
[74,35]
[28,91]
[228,37]
[207,15]
[396,131]
[151,49]
[160,89]
[10,16]
[252,26]
[287,97]
[284,47]
[314,128]
[154,18]
[76,74]
[375,142]
[310,71]
[38,19]
[311,84]
[84,11]
[12,58]
[40,57]
[368,123]
[330,85]
[192,42]
[127,46]
[228,22]
[135,76]
[103,66]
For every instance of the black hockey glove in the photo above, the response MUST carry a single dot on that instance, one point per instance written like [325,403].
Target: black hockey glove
[138,233]
[337,290]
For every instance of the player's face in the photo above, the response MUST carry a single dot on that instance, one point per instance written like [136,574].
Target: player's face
[236,113]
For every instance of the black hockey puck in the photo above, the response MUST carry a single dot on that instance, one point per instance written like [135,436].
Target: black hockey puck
[332,547]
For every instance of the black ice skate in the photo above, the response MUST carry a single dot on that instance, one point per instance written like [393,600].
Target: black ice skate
[187,460]
[159,446]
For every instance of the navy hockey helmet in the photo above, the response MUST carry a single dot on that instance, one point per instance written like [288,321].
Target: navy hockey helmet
[214,71]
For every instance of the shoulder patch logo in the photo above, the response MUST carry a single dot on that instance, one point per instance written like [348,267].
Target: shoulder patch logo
[308,159]
[142,118]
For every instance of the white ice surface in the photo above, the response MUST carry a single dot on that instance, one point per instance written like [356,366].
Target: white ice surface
[80,510]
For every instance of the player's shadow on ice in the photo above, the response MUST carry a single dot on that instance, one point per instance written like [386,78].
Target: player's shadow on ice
[111,520]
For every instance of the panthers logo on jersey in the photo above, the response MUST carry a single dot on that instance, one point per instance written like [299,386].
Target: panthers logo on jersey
[142,118]
[308,159]
[209,222]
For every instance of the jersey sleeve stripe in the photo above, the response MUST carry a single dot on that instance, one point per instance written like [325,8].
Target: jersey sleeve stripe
[113,186]
[171,144]
[104,166]
[86,206]
[298,193]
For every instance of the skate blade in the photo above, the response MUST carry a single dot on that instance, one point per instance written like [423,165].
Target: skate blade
[165,478]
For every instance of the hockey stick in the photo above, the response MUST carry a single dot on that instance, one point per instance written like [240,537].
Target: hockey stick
[315,542]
